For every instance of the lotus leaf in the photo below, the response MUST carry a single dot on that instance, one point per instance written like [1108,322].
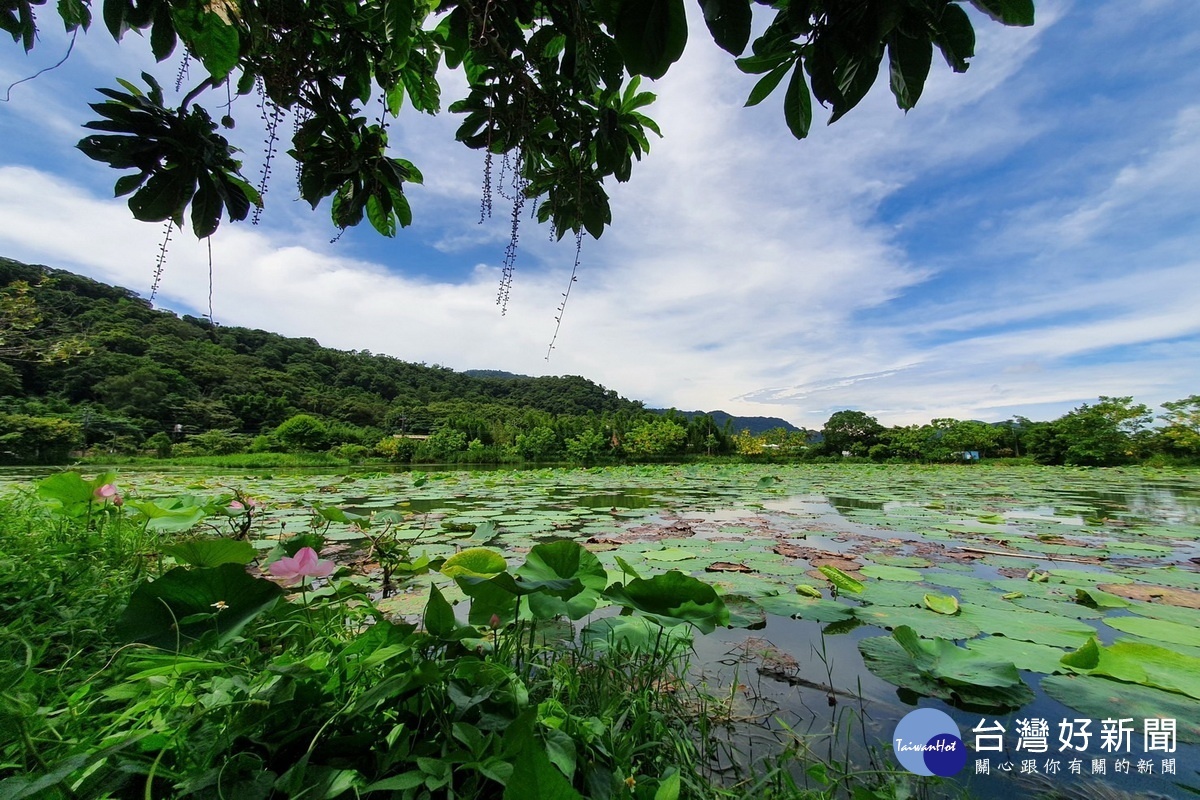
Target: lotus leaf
[474,562]
[1024,655]
[1099,599]
[671,554]
[673,598]
[941,603]
[211,552]
[1182,615]
[636,634]
[1078,577]
[1159,629]
[174,517]
[800,607]
[926,623]
[891,573]
[1029,626]
[1138,662]
[70,489]
[901,561]
[1164,576]
[184,604]
[938,668]
[1103,698]
[564,560]
[745,612]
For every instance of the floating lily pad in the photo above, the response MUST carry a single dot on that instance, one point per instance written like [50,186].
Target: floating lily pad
[745,612]
[670,554]
[900,561]
[815,610]
[1159,629]
[1063,607]
[1024,655]
[1029,626]
[1078,577]
[891,573]
[1182,615]
[1103,698]
[1164,576]
[939,668]
[941,603]
[926,623]
[1139,662]
[892,593]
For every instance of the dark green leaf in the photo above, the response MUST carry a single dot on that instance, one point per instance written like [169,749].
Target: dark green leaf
[211,552]
[855,77]
[729,23]
[564,560]
[909,61]
[767,84]
[533,774]
[673,598]
[379,214]
[439,614]
[758,64]
[162,35]
[797,104]
[1010,12]
[127,183]
[209,38]
[206,208]
[651,35]
[114,17]
[157,609]
[75,14]
[955,37]
[163,197]
[238,196]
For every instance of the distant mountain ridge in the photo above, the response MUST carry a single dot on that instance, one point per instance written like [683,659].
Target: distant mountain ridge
[755,425]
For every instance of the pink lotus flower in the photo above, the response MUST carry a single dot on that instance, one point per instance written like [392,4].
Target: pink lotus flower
[108,492]
[304,564]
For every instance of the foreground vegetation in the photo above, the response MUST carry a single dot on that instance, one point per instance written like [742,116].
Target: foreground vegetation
[452,634]
[144,657]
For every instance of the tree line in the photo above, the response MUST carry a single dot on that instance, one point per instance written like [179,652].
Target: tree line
[90,368]
[1109,432]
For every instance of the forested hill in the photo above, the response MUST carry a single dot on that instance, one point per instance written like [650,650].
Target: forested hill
[68,342]
[754,425]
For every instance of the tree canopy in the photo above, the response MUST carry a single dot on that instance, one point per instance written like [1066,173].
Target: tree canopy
[553,88]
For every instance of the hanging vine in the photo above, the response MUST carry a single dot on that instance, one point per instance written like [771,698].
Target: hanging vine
[271,115]
[562,306]
[161,261]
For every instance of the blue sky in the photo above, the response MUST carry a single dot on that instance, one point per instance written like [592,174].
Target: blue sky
[1025,240]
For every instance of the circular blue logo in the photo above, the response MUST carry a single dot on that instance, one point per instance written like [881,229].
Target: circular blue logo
[928,742]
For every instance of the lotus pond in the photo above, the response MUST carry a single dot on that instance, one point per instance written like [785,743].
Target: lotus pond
[855,593]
